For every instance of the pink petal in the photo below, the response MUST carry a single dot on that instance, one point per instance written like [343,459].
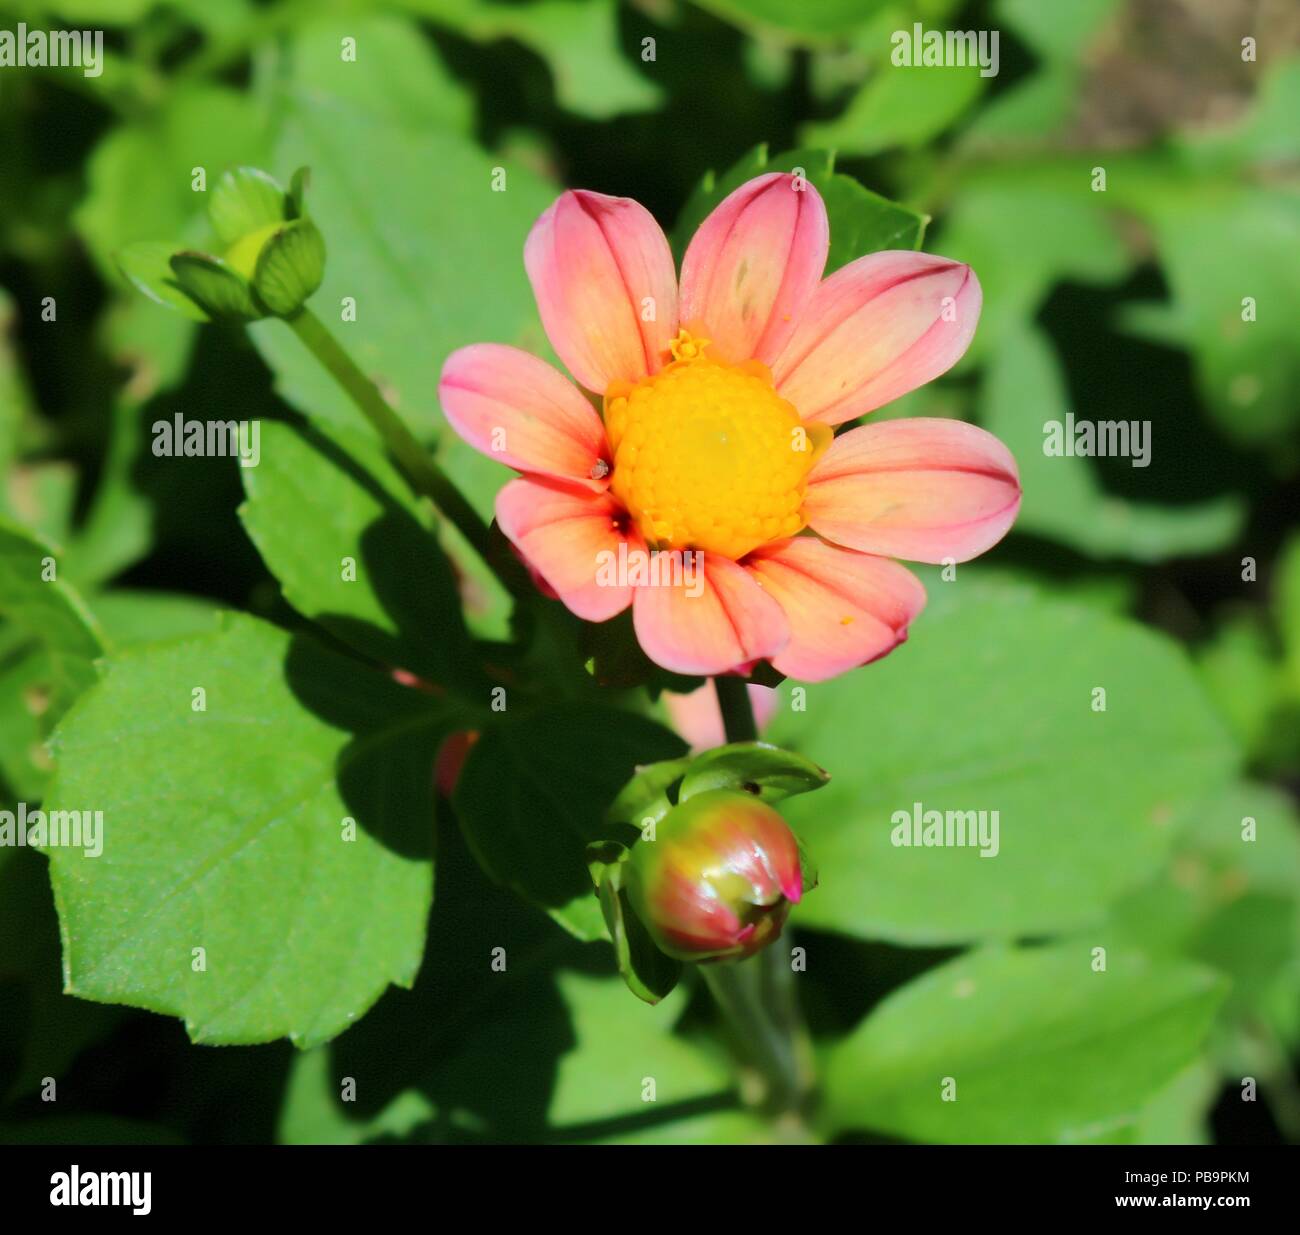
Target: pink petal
[877,328]
[598,266]
[523,413]
[923,490]
[561,533]
[698,718]
[844,608]
[754,264]
[727,623]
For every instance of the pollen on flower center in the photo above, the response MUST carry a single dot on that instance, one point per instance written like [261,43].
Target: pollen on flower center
[708,455]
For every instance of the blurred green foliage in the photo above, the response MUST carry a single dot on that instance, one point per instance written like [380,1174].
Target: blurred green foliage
[1176,586]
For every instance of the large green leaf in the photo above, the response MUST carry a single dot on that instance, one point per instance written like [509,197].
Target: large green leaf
[534,793]
[418,239]
[1230,898]
[577,38]
[900,106]
[861,221]
[1219,246]
[392,72]
[225,829]
[989,707]
[1040,1046]
[810,22]
[1023,392]
[1020,237]
[446,1061]
[354,551]
[604,1077]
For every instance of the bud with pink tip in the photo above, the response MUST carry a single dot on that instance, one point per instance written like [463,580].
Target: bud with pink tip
[718,877]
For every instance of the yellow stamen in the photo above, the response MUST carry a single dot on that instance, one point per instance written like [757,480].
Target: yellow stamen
[707,455]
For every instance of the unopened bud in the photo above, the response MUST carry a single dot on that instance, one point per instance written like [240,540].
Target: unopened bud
[717,879]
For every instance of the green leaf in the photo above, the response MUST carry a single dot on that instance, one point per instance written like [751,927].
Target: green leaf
[1023,392]
[1021,237]
[110,12]
[990,707]
[1040,1046]
[397,74]
[616,1047]
[50,613]
[1229,898]
[16,407]
[147,267]
[312,1115]
[578,39]
[428,252]
[353,550]
[898,106]
[644,799]
[1240,674]
[806,22]
[649,973]
[226,829]
[1059,34]
[1286,606]
[767,771]
[534,793]
[861,221]
[1217,248]
[290,267]
[27,690]
[130,617]
[245,200]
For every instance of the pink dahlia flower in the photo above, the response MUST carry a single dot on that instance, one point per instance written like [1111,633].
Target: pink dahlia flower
[712,495]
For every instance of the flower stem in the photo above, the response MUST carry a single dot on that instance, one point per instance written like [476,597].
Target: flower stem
[422,473]
[757,995]
[737,716]
[767,1026]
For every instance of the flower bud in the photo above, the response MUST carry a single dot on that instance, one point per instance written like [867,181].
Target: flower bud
[717,879]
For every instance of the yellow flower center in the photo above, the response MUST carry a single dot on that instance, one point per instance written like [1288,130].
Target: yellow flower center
[708,455]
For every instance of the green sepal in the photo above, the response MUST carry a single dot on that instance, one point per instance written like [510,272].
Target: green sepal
[146,265]
[646,798]
[648,972]
[766,771]
[244,200]
[219,291]
[806,868]
[290,267]
[295,206]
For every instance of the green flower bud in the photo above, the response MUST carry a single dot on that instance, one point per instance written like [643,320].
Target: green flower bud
[273,255]
[718,877]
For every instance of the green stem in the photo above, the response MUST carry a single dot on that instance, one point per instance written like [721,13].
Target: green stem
[757,995]
[422,473]
[768,1038]
[737,715]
